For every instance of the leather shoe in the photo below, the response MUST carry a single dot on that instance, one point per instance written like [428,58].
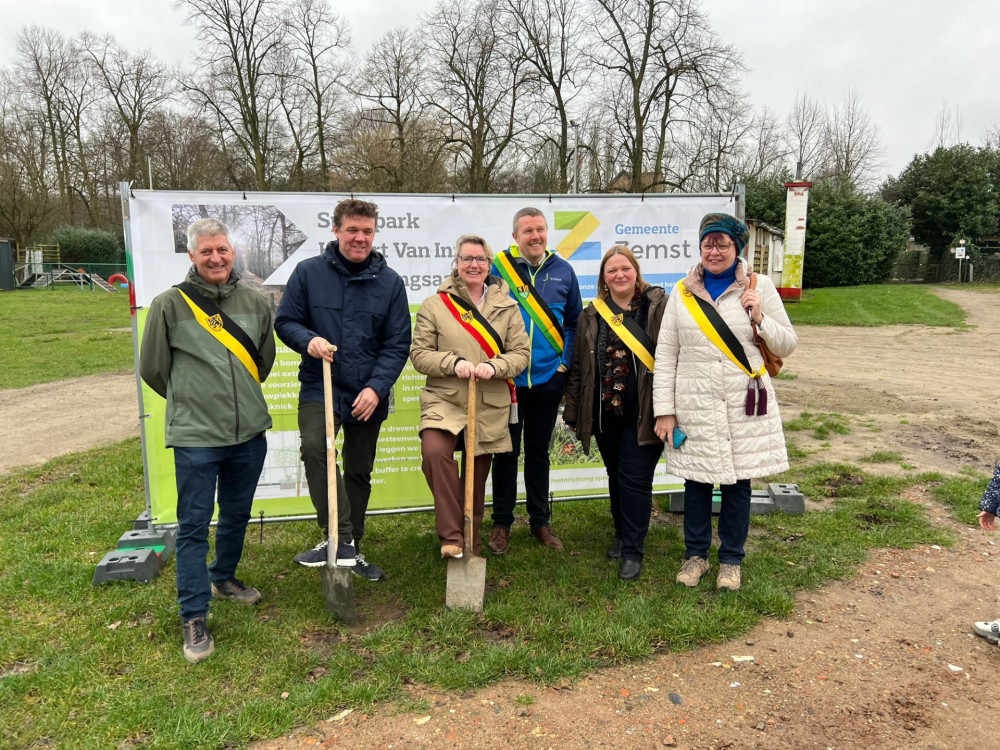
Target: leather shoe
[615,550]
[629,570]
[451,550]
[546,537]
[498,540]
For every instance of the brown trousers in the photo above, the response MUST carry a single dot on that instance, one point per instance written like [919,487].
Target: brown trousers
[447,484]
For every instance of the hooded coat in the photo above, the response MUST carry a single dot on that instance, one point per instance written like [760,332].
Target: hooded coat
[706,392]
[440,341]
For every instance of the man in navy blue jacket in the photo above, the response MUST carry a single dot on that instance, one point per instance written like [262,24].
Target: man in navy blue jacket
[548,293]
[350,298]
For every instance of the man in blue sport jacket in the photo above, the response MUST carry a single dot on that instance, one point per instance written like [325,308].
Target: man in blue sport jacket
[348,297]
[529,265]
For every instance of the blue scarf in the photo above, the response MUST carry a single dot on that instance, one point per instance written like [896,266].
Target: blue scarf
[717,283]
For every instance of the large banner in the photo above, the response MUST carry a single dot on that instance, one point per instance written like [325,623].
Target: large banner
[275,231]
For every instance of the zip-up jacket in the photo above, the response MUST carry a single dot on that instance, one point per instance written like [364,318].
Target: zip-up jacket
[212,399]
[556,282]
[366,316]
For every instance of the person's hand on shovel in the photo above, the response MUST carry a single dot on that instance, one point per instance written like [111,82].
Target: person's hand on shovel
[465,370]
[320,348]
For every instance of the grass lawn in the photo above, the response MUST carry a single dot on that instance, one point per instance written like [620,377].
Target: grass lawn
[53,334]
[85,666]
[880,305]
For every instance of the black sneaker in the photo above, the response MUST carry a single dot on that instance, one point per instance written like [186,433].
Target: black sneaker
[235,590]
[316,557]
[367,570]
[198,641]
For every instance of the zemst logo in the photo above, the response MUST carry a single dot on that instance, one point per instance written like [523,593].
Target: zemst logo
[580,225]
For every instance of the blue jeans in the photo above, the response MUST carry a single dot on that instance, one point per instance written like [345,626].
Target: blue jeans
[235,469]
[734,520]
[537,408]
[630,468]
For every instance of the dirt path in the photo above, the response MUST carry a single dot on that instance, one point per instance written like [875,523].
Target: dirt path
[881,662]
[44,421]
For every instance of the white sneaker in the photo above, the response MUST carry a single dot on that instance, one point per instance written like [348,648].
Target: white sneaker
[988,630]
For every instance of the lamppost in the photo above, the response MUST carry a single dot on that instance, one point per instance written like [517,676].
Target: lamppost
[576,155]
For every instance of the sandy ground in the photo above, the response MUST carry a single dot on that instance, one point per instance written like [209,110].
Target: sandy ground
[884,661]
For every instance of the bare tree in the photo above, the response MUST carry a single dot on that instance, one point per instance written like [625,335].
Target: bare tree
[400,144]
[136,85]
[661,60]
[239,40]
[26,197]
[319,38]
[854,142]
[807,136]
[482,85]
[948,126]
[552,36]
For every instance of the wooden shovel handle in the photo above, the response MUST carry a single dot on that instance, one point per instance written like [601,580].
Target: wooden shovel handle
[470,467]
[331,469]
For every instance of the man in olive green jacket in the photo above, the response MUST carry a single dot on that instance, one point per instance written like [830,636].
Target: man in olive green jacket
[207,346]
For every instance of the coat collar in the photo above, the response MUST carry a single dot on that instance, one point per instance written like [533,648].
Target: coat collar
[695,280]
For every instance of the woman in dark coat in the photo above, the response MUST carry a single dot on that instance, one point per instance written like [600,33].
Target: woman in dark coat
[609,394]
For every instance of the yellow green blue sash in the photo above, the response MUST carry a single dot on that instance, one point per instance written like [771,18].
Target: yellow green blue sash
[529,299]
[628,330]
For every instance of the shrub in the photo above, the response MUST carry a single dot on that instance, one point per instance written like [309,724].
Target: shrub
[851,239]
[82,245]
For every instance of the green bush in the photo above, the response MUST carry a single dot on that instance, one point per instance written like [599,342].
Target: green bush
[82,245]
[851,239]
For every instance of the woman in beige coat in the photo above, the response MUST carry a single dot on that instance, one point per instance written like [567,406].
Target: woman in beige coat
[731,420]
[446,352]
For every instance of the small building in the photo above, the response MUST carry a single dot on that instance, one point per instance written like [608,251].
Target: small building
[765,250]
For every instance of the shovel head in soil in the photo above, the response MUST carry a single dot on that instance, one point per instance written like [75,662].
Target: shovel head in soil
[339,593]
[466,583]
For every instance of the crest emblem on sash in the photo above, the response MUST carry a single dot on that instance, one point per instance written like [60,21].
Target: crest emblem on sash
[618,319]
[215,323]
[523,291]
[467,316]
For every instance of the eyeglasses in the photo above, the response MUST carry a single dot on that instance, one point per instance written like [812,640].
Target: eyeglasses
[468,260]
[721,247]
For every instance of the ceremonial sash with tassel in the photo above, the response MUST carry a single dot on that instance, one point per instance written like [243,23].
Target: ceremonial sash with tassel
[469,317]
[720,334]
[225,330]
[628,330]
[529,298]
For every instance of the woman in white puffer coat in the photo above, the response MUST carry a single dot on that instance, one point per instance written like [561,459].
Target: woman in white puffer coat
[731,419]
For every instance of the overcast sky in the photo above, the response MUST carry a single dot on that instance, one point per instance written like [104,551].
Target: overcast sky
[906,58]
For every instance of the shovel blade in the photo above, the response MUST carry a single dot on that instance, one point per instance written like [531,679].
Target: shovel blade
[466,584]
[338,590]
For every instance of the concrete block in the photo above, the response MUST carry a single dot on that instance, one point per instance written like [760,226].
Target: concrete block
[787,497]
[142,522]
[153,537]
[128,565]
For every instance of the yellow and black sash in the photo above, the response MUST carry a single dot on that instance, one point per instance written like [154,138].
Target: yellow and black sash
[719,333]
[476,325]
[222,327]
[528,297]
[628,330]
